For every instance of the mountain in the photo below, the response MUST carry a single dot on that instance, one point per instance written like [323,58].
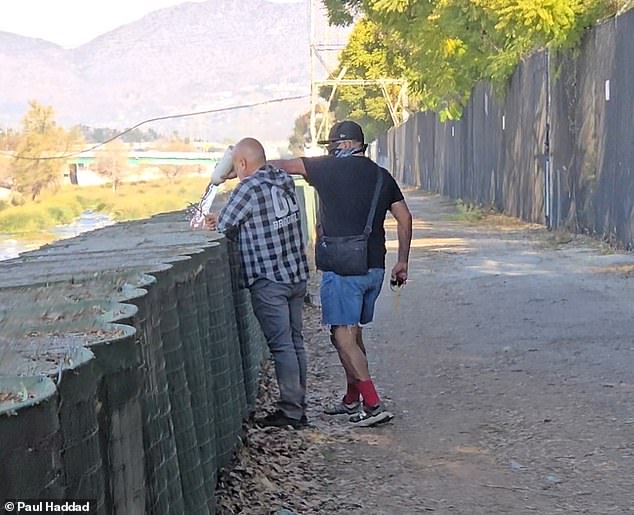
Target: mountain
[191,57]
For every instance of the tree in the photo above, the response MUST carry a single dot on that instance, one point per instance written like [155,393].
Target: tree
[301,132]
[36,166]
[175,144]
[9,139]
[366,56]
[301,135]
[101,134]
[111,161]
[444,47]
[5,172]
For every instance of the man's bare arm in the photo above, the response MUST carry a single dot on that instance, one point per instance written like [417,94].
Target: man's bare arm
[294,166]
[404,230]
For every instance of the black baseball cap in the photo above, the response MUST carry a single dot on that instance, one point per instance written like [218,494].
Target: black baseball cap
[343,131]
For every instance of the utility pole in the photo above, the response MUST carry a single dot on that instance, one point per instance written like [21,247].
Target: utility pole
[313,87]
[324,52]
[325,44]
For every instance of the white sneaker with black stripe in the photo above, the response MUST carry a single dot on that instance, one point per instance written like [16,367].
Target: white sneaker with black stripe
[341,408]
[369,417]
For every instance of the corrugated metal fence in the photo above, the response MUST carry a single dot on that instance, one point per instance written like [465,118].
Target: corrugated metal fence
[557,149]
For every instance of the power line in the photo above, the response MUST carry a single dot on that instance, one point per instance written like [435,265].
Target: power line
[158,119]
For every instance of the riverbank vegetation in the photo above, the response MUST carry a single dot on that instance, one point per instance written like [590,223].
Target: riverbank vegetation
[35,178]
[130,201]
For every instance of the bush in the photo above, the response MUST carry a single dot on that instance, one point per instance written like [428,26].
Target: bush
[132,201]
[17,199]
[31,218]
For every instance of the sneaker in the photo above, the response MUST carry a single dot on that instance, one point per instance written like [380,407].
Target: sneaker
[341,408]
[371,417]
[279,419]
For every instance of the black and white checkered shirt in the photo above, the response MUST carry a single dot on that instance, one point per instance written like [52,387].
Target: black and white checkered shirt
[264,210]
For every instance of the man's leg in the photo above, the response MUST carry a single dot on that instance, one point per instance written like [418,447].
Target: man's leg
[341,305]
[355,362]
[271,307]
[374,283]
[373,412]
[345,304]
[352,358]
[360,341]
[352,395]
[296,304]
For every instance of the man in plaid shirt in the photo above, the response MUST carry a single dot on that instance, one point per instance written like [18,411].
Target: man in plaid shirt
[263,213]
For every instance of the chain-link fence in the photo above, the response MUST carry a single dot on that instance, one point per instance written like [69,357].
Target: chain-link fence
[554,148]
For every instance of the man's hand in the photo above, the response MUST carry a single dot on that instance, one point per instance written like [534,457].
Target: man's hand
[211,221]
[404,230]
[399,272]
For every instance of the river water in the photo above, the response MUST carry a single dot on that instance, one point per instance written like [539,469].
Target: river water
[87,221]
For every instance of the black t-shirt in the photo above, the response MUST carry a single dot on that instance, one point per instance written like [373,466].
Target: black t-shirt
[346,186]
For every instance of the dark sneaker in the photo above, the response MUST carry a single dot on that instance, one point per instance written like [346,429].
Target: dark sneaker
[278,419]
[341,408]
[371,417]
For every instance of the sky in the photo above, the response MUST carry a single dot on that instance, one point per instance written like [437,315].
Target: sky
[71,23]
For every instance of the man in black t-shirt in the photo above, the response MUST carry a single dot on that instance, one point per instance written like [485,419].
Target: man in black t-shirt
[345,181]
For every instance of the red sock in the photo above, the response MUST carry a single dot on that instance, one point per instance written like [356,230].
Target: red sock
[352,394]
[370,397]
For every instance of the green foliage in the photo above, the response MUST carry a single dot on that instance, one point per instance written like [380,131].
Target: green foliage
[468,212]
[444,47]
[32,170]
[341,12]
[365,57]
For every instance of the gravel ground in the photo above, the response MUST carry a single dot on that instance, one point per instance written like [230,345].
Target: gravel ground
[508,361]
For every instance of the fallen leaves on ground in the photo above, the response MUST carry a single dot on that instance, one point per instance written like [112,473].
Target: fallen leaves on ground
[274,468]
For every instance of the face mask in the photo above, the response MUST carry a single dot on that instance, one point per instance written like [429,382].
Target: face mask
[344,152]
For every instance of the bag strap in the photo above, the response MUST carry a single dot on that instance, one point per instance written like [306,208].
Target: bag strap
[375,201]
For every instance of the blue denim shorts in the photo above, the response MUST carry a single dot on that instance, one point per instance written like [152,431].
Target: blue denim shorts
[349,300]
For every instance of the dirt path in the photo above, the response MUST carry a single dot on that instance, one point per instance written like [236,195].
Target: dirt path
[508,360]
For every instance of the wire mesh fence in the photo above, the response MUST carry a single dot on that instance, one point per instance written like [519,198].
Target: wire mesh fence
[129,358]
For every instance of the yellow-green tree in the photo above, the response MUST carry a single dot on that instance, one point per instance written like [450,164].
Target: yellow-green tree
[111,162]
[366,56]
[444,47]
[37,165]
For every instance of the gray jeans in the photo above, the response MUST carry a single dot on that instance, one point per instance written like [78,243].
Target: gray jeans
[278,308]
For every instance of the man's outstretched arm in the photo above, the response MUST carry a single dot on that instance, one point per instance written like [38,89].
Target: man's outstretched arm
[294,166]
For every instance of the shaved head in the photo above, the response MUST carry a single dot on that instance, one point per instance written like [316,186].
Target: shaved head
[248,157]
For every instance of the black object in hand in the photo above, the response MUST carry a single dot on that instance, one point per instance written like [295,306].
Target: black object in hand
[396,282]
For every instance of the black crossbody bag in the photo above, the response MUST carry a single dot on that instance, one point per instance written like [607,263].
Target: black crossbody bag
[348,255]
